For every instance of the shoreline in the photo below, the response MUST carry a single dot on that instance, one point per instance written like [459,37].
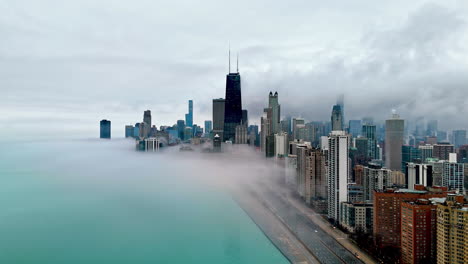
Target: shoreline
[274,229]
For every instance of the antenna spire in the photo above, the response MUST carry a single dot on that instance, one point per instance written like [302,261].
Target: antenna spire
[229,58]
[237,62]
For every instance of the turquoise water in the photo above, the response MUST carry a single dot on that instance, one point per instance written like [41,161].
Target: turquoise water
[92,201]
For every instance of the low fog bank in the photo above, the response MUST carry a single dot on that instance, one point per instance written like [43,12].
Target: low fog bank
[116,165]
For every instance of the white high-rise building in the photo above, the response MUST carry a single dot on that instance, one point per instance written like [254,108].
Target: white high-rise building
[420,174]
[281,145]
[338,172]
[453,176]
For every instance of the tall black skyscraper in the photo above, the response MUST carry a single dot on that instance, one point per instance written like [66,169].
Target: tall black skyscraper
[147,117]
[233,104]
[105,128]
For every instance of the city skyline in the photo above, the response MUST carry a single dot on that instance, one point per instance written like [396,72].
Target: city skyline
[246,132]
[426,63]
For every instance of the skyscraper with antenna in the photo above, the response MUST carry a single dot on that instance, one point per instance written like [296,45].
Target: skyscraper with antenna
[233,102]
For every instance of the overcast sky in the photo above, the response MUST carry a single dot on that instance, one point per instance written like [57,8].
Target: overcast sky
[68,64]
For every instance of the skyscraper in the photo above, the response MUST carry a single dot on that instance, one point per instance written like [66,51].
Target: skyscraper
[147,117]
[452,235]
[181,129]
[233,105]
[459,138]
[189,115]
[281,144]
[355,128]
[426,152]
[241,134]
[431,128]
[218,117]
[143,130]
[245,117]
[418,232]
[208,126]
[338,172]
[286,125]
[105,126]
[136,130]
[275,112]
[409,154]
[340,102]
[441,136]
[394,129]
[129,131]
[453,176]
[442,150]
[375,178]
[188,133]
[387,212]
[369,132]
[337,118]
[296,121]
[267,137]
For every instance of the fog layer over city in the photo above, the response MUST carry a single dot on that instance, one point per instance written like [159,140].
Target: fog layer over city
[62,198]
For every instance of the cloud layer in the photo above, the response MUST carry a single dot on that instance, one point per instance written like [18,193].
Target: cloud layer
[78,63]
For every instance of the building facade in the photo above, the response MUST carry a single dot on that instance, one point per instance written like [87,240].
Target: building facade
[233,105]
[459,138]
[337,120]
[376,178]
[394,130]
[129,131]
[189,115]
[452,231]
[442,151]
[208,127]
[105,129]
[147,117]
[419,174]
[338,172]
[357,217]
[453,176]
[387,212]
[418,232]
[275,112]
[218,117]
[241,134]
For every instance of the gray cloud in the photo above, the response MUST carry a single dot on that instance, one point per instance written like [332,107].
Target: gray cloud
[100,60]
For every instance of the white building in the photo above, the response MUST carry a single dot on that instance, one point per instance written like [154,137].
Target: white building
[241,134]
[375,178]
[453,176]
[420,174]
[357,217]
[338,172]
[152,144]
[281,144]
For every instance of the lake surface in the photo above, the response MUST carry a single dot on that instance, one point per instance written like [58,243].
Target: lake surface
[95,201]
